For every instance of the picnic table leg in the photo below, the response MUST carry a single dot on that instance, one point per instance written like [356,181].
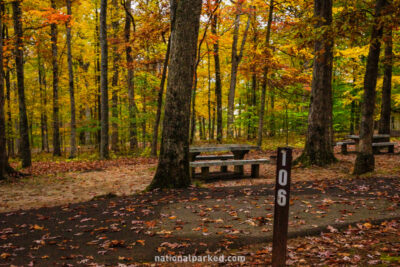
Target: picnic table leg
[239,155]
[344,149]
[391,149]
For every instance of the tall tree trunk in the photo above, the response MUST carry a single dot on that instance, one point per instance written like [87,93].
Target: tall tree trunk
[318,148]
[24,147]
[10,132]
[209,91]
[384,123]
[272,112]
[173,165]
[133,141]
[97,75]
[104,80]
[159,100]
[365,161]
[3,142]
[56,115]
[264,81]
[218,83]
[352,111]
[235,61]
[114,83]
[71,86]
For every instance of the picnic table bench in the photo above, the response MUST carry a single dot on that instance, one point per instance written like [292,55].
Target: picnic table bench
[236,160]
[378,141]
[205,165]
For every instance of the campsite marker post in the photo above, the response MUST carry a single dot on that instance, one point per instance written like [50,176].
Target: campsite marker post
[281,210]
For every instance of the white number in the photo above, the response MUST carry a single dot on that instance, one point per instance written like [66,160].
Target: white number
[283,157]
[282,179]
[281,197]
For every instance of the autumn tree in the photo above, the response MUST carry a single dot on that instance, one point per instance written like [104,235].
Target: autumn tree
[129,22]
[217,67]
[24,148]
[265,77]
[71,85]
[384,123]
[318,148]
[3,145]
[236,57]
[173,166]
[104,80]
[365,161]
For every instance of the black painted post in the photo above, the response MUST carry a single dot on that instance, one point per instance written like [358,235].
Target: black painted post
[281,212]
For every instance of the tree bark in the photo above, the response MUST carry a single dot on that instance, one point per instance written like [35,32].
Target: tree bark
[104,154]
[10,132]
[133,140]
[235,61]
[218,83]
[159,100]
[56,115]
[265,78]
[114,82]
[71,86]
[173,165]
[318,148]
[24,148]
[365,161]
[384,123]
[3,142]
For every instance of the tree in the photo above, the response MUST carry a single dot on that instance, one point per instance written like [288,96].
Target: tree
[3,145]
[264,82]
[133,142]
[218,84]
[160,99]
[318,148]
[24,149]
[173,165]
[71,85]
[384,123]
[235,61]
[115,76]
[365,161]
[56,115]
[104,80]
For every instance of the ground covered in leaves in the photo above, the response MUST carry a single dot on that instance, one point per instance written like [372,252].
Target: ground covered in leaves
[58,183]
[217,220]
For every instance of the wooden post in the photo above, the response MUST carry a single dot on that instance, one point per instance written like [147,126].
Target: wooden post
[281,211]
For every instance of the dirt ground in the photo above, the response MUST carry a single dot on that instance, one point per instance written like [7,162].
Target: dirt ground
[55,183]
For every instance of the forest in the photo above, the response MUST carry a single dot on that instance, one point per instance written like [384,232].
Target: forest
[110,108]
[253,72]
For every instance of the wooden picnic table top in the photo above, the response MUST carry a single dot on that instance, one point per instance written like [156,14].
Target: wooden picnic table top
[216,148]
[375,136]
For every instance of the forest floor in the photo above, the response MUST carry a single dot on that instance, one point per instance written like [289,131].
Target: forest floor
[100,216]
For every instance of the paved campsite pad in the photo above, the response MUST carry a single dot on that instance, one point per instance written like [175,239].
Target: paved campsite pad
[135,228]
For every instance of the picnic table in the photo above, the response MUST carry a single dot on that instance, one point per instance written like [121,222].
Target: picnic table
[376,138]
[378,141]
[238,151]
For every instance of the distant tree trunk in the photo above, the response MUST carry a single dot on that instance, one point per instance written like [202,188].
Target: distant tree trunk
[71,86]
[272,112]
[384,123]
[24,147]
[173,165]
[159,101]
[56,115]
[264,81]
[235,60]
[318,148]
[10,138]
[3,142]
[365,161]
[114,83]
[218,84]
[352,111]
[209,92]
[97,76]
[104,80]
[133,141]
